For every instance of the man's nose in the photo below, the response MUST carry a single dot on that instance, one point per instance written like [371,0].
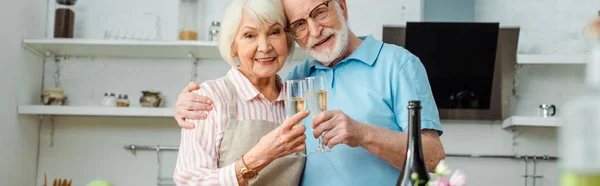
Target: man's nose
[314,28]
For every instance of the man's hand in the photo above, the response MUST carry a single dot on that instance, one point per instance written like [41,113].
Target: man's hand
[191,106]
[338,128]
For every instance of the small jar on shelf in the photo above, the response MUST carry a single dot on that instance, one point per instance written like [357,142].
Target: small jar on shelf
[109,100]
[64,19]
[122,101]
[189,15]
[213,32]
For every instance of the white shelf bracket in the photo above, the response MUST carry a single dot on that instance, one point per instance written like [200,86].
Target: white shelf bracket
[515,134]
[56,75]
[51,128]
[194,73]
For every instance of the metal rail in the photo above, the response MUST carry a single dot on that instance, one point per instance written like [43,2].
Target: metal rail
[157,149]
[544,157]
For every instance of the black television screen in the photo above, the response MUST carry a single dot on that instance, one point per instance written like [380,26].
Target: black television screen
[459,59]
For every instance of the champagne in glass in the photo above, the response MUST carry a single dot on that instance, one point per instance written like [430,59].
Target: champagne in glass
[316,96]
[294,106]
[294,102]
[317,100]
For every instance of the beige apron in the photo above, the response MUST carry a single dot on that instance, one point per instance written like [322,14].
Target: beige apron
[240,136]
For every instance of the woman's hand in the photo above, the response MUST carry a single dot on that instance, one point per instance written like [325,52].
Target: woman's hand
[282,141]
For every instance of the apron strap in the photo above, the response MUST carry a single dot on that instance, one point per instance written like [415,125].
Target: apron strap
[232,106]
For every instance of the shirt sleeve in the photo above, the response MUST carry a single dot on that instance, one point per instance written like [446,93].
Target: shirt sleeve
[197,159]
[411,83]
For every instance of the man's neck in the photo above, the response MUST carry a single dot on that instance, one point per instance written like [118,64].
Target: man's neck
[353,43]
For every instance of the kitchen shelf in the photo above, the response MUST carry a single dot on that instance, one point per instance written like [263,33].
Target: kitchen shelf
[550,59]
[131,48]
[95,111]
[531,121]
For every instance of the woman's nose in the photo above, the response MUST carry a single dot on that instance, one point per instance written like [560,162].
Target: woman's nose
[264,45]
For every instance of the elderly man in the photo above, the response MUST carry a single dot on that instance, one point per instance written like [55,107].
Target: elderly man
[370,84]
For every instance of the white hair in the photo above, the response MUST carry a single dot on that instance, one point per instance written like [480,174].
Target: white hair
[266,12]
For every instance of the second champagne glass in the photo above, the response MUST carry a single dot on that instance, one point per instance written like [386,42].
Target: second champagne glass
[316,96]
[294,102]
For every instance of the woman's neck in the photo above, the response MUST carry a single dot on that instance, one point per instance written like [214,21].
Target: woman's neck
[268,86]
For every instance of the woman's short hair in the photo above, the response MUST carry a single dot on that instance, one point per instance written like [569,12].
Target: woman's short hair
[262,11]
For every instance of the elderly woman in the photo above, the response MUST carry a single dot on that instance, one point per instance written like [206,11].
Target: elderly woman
[242,139]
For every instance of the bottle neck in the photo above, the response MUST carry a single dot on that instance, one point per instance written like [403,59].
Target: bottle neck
[414,133]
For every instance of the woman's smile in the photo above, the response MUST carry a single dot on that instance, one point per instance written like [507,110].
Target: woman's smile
[266,61]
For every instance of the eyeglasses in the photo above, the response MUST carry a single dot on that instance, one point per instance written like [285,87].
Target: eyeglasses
[298,29]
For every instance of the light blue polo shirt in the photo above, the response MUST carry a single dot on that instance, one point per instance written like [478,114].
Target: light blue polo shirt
[373,85]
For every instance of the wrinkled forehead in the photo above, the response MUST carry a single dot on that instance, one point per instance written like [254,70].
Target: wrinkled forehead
[298,9]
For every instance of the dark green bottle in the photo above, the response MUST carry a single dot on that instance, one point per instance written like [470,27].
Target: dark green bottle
[414,172]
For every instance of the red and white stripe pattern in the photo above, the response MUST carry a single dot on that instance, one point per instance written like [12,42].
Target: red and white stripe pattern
[197,161]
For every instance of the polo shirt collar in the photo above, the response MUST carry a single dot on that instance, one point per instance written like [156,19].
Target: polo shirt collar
[367,52]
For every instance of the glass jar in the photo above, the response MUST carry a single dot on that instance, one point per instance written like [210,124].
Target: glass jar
[213,32]
[122,101]
[109,99]
[64,19]
[53,96]
[189,15]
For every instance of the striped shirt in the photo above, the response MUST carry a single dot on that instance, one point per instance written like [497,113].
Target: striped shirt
[197,161]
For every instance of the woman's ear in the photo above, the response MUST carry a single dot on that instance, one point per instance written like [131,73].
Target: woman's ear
[233,50]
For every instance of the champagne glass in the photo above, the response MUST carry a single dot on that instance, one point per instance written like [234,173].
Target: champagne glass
[294,102]
[316,96]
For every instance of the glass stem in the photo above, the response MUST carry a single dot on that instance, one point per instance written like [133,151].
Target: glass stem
[321,141]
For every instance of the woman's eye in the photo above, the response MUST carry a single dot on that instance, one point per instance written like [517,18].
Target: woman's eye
[276,32]
[248,36]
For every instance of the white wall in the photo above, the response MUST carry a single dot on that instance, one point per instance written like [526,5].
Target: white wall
[368,17]
[87,148]
[457,10]
[20,79]
[549,26]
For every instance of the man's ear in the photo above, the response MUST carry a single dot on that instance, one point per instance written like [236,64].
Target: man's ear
[344,8]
